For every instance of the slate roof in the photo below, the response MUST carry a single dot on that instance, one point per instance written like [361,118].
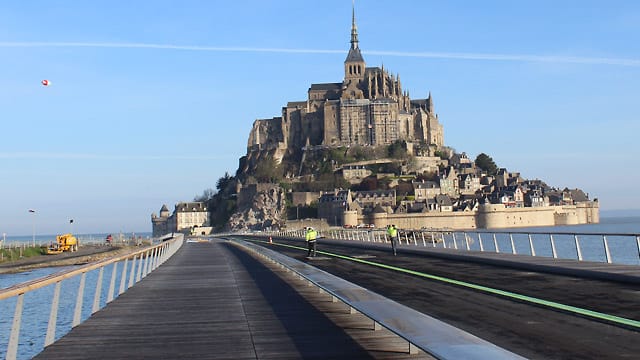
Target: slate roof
[292,104]
[191,207]
[426,185]
[354,55]
[444,200]
[326,86]
[578,195]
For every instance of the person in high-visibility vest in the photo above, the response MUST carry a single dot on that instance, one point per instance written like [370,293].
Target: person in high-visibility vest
[311,236]
[392,231]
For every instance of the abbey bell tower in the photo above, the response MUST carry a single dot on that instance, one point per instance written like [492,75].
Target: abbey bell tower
[354,63]
[354,66]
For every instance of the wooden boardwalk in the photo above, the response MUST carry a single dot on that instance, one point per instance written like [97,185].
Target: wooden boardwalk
[214,301]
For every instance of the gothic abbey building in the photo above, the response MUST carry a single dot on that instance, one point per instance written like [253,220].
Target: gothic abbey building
[369,107]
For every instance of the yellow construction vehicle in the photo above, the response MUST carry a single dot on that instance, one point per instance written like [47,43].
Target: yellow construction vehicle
[65,242]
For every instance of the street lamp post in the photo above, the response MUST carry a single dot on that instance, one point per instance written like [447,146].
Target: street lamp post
[34,226]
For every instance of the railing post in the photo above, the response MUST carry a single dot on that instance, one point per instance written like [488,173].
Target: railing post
[638,243]
[433,239]
[147,263]
[578,250]
[533,250]
[53,316]
[553,247]
[513,245]
[455,244]
[152,259]
[480,242]
[123,277]
[156,256]
[96,296]
[424,243]
[77,314]
[132,275]
[466,238]
[444,243]
[415,242]
[159,258]
[606,248]
[495,243]
[141,265]
[12,347]
[112,282]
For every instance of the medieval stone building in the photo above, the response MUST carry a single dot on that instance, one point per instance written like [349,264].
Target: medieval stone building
[187,217]
[369,107]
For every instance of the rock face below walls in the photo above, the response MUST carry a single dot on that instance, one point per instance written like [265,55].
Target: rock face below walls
[260,206]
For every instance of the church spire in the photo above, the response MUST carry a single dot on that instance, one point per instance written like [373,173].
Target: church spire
[354,65]
[354,28]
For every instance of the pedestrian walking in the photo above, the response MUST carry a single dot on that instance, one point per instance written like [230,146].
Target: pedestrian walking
[311,236]
[392,231]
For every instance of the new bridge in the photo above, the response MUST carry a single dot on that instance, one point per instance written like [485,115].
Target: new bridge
[259,297]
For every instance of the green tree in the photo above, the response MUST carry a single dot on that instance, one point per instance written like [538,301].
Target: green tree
[441,154]
[397,150]
[224,181]
[486,163]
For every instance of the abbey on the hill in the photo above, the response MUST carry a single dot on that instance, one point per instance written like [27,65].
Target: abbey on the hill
[369,107]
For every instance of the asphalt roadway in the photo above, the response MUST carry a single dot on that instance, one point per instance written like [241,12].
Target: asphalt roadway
[532,331]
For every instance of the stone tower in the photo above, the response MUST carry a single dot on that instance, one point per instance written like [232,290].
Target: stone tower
[354,65]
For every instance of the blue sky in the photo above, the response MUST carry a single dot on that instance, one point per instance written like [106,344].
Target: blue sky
[151,102]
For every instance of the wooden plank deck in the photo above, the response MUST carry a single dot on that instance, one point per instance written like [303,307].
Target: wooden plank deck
[214,301]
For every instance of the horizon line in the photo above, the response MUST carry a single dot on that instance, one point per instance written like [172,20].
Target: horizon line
[426,54]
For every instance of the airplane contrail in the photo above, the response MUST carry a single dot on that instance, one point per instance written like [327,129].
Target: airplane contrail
[434,55]
[80,156]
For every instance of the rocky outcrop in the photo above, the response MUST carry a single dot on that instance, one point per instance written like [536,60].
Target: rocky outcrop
[260,206]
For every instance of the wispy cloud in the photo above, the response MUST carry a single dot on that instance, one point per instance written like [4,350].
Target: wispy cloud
[514,57]
[87,156]
[434,55]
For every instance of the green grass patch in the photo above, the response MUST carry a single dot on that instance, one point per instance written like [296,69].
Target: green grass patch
[19,253]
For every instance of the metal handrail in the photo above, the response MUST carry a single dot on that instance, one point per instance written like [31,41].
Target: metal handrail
[148,260]
[534,241]
[419,330]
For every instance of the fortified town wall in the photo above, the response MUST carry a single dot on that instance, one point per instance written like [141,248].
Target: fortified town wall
[488,216]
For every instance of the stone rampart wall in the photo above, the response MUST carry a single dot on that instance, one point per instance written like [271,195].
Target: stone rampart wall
[494,216]
[439,220]
[491,216]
